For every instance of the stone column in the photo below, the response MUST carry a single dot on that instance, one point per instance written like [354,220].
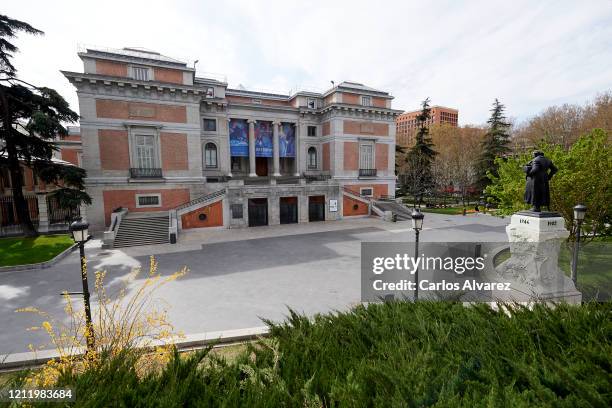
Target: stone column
[43,214]
[252,171]
[83,212]
[229,150]
[298,148]
[275,149]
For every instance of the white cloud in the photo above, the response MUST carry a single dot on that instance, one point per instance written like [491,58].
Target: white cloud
[528,54]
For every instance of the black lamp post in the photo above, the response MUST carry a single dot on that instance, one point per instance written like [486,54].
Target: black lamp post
[79,230]
[579,213]
[417,225]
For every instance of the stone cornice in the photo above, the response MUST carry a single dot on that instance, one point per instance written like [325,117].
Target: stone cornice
[263,107]
[79,79]
[359,108]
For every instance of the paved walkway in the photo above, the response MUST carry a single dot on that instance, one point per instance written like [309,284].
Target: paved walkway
[236,277]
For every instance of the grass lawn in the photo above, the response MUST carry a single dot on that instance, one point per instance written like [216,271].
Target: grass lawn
[594,274]
[448,210]
[20,251]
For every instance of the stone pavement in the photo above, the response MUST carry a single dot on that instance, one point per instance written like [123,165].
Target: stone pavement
[236,277]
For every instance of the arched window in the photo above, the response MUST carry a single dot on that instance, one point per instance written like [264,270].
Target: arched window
[210,155]
[312,158]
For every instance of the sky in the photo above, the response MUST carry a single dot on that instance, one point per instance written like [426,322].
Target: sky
[461,54]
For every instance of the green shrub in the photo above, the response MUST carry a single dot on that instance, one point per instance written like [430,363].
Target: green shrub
[393,354]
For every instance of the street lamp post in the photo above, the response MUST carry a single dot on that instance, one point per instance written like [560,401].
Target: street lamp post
[417,225]
[579,213]
[79,230]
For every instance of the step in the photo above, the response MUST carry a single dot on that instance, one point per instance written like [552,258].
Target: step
[142,230]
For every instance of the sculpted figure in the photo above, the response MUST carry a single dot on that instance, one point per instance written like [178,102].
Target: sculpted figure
[538,173]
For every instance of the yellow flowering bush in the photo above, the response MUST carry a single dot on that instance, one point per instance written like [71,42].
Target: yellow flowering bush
[131,320]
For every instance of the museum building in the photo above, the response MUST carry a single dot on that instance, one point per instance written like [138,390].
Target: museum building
[157,141]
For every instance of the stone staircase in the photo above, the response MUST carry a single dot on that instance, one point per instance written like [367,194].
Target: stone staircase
[134,231]
[401,211]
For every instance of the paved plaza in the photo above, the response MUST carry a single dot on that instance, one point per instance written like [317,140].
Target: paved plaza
[236,277]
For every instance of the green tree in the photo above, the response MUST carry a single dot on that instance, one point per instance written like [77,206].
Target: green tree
[583,177]
[419,159]
[32,117]
[494,145]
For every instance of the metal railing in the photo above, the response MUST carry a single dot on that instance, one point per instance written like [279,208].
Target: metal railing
[145,173]
[367,172]
[316,177]
[357,193]
[61,215]
[201,199]
[8,212]
[385,197]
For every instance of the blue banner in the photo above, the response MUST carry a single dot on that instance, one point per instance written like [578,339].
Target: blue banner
[263,139]
[286,140]
[239,137]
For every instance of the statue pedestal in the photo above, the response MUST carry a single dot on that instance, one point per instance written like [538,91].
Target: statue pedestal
[535,241]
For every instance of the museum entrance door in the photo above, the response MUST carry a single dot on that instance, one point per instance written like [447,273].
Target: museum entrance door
[261,166]
[258,212]
[316,208]
[288,210]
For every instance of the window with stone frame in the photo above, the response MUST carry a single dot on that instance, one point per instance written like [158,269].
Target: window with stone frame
[312,158]
[210,155]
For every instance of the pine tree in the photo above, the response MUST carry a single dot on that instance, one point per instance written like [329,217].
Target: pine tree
[495,144]
[420,157]
[31,117]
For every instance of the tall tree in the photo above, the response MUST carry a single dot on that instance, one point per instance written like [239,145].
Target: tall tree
[455,164]
[31,118]
[420,157]
[495,144]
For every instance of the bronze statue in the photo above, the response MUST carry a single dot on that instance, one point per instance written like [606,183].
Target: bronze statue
[538,172]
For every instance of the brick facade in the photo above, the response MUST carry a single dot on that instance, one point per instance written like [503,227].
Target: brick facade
[114,149]
[366,128]
[351,156]
[170,198]
[351,207]
[173,76]
[212,214]
[111,68]
[174,151]
[70,155]
[326,157]
[382,156]
[115,109]
[377,189]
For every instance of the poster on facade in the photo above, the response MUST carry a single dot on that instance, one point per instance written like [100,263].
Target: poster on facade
[239,137]
[286,140]
[263,139]
[333,205]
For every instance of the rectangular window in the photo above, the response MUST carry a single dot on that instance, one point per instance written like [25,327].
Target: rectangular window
[366,101]
[256,101]
[145,151]
[210,125]
[141,73]
[366,191]
[312,130]
[148,200]
[366,160]
[312,103]
[210,156]
[210,92]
